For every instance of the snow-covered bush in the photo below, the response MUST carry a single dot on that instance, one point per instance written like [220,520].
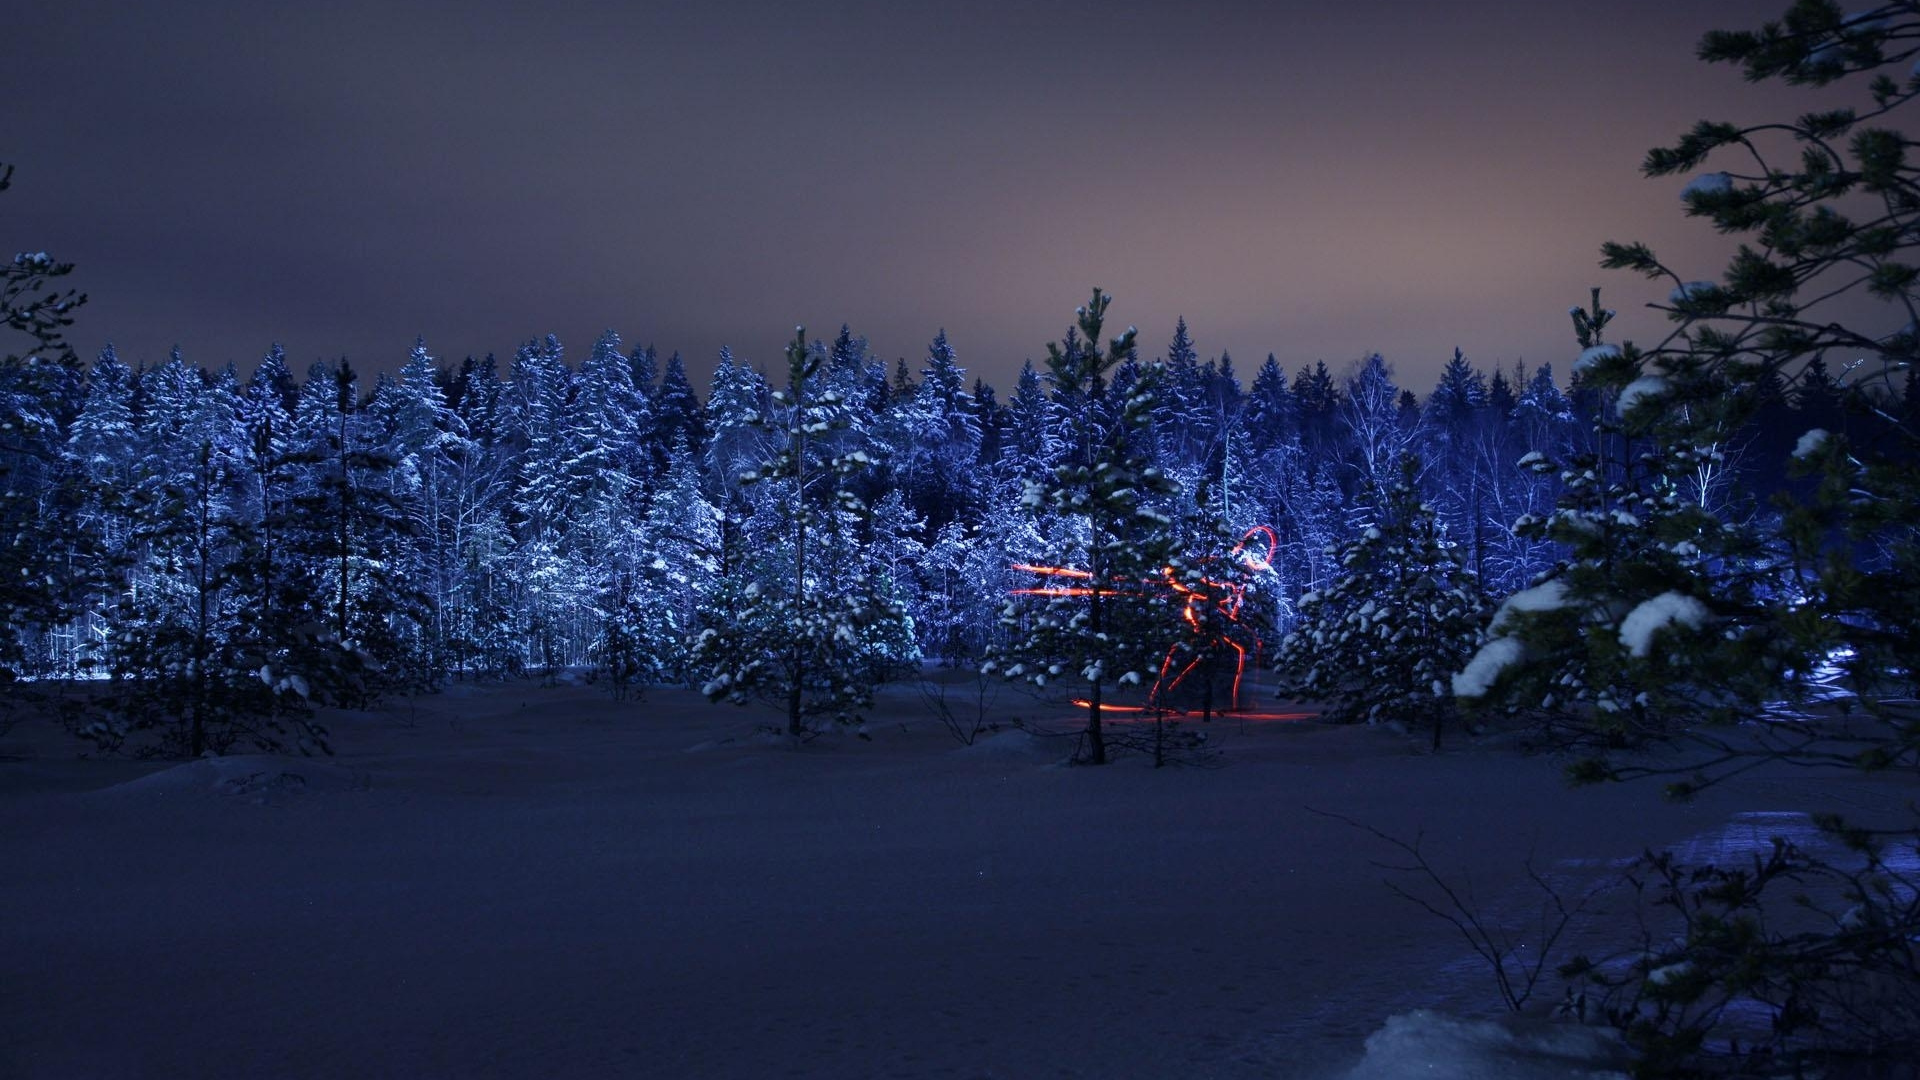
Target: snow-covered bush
[1383,641]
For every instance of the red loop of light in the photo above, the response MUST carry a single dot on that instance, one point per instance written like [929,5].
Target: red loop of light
[1226,597]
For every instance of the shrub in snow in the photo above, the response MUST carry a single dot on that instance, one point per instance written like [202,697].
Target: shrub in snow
[1383,641]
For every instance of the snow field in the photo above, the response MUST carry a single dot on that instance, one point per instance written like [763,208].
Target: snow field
[523,881]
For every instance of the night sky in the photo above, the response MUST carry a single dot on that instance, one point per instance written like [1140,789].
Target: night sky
[1319,180]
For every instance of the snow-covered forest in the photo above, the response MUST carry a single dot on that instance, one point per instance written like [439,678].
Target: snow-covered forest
[1693,557]
[478,517]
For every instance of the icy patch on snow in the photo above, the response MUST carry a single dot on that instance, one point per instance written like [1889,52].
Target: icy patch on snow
[1434,1046]
[1667,609]
[1015,744]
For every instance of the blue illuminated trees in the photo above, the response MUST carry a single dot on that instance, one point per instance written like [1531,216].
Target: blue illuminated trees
[795,622]
[39,381]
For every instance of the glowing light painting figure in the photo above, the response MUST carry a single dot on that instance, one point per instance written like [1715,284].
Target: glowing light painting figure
[1206,634]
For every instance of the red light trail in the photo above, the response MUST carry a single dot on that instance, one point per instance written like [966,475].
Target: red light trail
[1226,597]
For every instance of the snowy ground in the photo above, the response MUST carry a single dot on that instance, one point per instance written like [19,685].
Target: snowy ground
[526,881]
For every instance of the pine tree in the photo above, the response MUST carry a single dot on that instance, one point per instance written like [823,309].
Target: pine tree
[428,440]
[682,535]
[1103,625]
[1034,426]
[101,449]
[677,409]
[933,436]
[1638,545]
[798,625]
[1270,416]
[1707,620]
[736,436]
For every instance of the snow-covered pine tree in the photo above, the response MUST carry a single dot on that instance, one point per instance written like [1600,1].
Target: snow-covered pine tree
[1316,398]
[1381,642]
[45,558]
[1270,412]
[1034,444]
[1104,625]
[1452,423]
[677,410]
[681,533]
[1821,979]
[933,434]
[426,439]
[350,533]
[1376,438]
[736,437]
[199,660]
[796,624]
[101,450]
[1642,559]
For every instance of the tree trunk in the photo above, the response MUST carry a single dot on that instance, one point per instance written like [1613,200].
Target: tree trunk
[1096,742]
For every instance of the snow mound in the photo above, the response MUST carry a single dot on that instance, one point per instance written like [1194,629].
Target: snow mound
[1013,743]
[256,777]
[1434,1046]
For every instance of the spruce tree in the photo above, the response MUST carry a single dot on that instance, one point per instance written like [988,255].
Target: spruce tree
[1381,642]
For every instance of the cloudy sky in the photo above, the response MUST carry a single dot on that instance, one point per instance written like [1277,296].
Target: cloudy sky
[1315,179]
